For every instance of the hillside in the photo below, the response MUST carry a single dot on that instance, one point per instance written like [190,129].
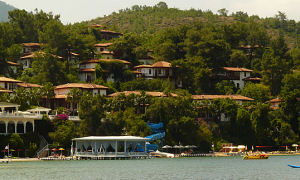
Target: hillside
[4,9]
[151,19]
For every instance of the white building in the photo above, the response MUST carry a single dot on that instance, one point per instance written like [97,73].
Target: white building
[206,115]
[87,69]
[107,147]
[161,70]
[237,75]
[14,121]
[8,83]
[27,60]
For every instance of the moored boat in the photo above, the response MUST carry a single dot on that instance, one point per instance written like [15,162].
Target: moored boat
[255,156]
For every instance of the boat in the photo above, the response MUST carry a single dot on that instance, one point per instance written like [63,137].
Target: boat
[293,166]
[255,156]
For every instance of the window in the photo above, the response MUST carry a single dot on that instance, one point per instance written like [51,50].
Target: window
[245,74]
[150,71]
[238,85]
[101,49]
[159,71]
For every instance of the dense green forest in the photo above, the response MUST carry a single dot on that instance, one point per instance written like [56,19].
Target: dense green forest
[194,40]
[4,9]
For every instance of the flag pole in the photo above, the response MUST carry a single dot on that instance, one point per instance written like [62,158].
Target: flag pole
[8,154]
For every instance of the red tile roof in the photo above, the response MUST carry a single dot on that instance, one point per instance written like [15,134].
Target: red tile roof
[12,63]
[276,100]
[87,70]
[5,79]
[162,64]
[211,97]
[31,44]
[159,64]
[236,69]
[29,85]
[143,66]
[74,54]
[34,55]
[81,85]
[61,96]
[252,79]
[2,90]
[103,44]
[155,94]
[105,60]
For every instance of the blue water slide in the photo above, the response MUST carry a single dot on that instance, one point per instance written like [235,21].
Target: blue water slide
[159,134]
[151,147]
[156,136]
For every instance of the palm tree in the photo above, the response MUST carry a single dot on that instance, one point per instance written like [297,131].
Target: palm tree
[48,92]
[73,98]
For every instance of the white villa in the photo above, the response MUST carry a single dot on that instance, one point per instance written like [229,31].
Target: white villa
[239,76]
[161,69]
[206,115]
[14,121]
[61,92]
[87,69]
[102,48]
[109,147]
[27,60]
[8,83]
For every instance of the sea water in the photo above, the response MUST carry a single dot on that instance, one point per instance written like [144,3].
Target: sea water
[177,168]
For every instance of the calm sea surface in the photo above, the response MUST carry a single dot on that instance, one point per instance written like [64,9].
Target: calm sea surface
[178,168]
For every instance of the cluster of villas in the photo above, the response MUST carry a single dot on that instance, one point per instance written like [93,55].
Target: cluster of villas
[12,120]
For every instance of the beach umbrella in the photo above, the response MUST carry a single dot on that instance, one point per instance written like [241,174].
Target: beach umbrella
[12,150]
[193,146]
[61,149]
[167,147]
[54,149]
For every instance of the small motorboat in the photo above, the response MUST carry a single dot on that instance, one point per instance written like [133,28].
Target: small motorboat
[255,156]
[293,166]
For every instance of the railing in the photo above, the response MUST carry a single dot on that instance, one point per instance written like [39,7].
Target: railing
[33,116]
[14,115]
[71,118]
[44,147]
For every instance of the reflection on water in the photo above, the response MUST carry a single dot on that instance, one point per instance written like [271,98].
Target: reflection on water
[181,168]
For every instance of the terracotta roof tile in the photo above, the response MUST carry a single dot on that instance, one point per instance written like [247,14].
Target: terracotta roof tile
[162,64]
[2,90]
[275,100]
[34,55]
[81,85]
[236,69]
[12,63]
[87,70]
[143,66]
[29,85]
[31,44]
[5,79]
[74,54]
[252,79]
[211,97]
[103,44]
